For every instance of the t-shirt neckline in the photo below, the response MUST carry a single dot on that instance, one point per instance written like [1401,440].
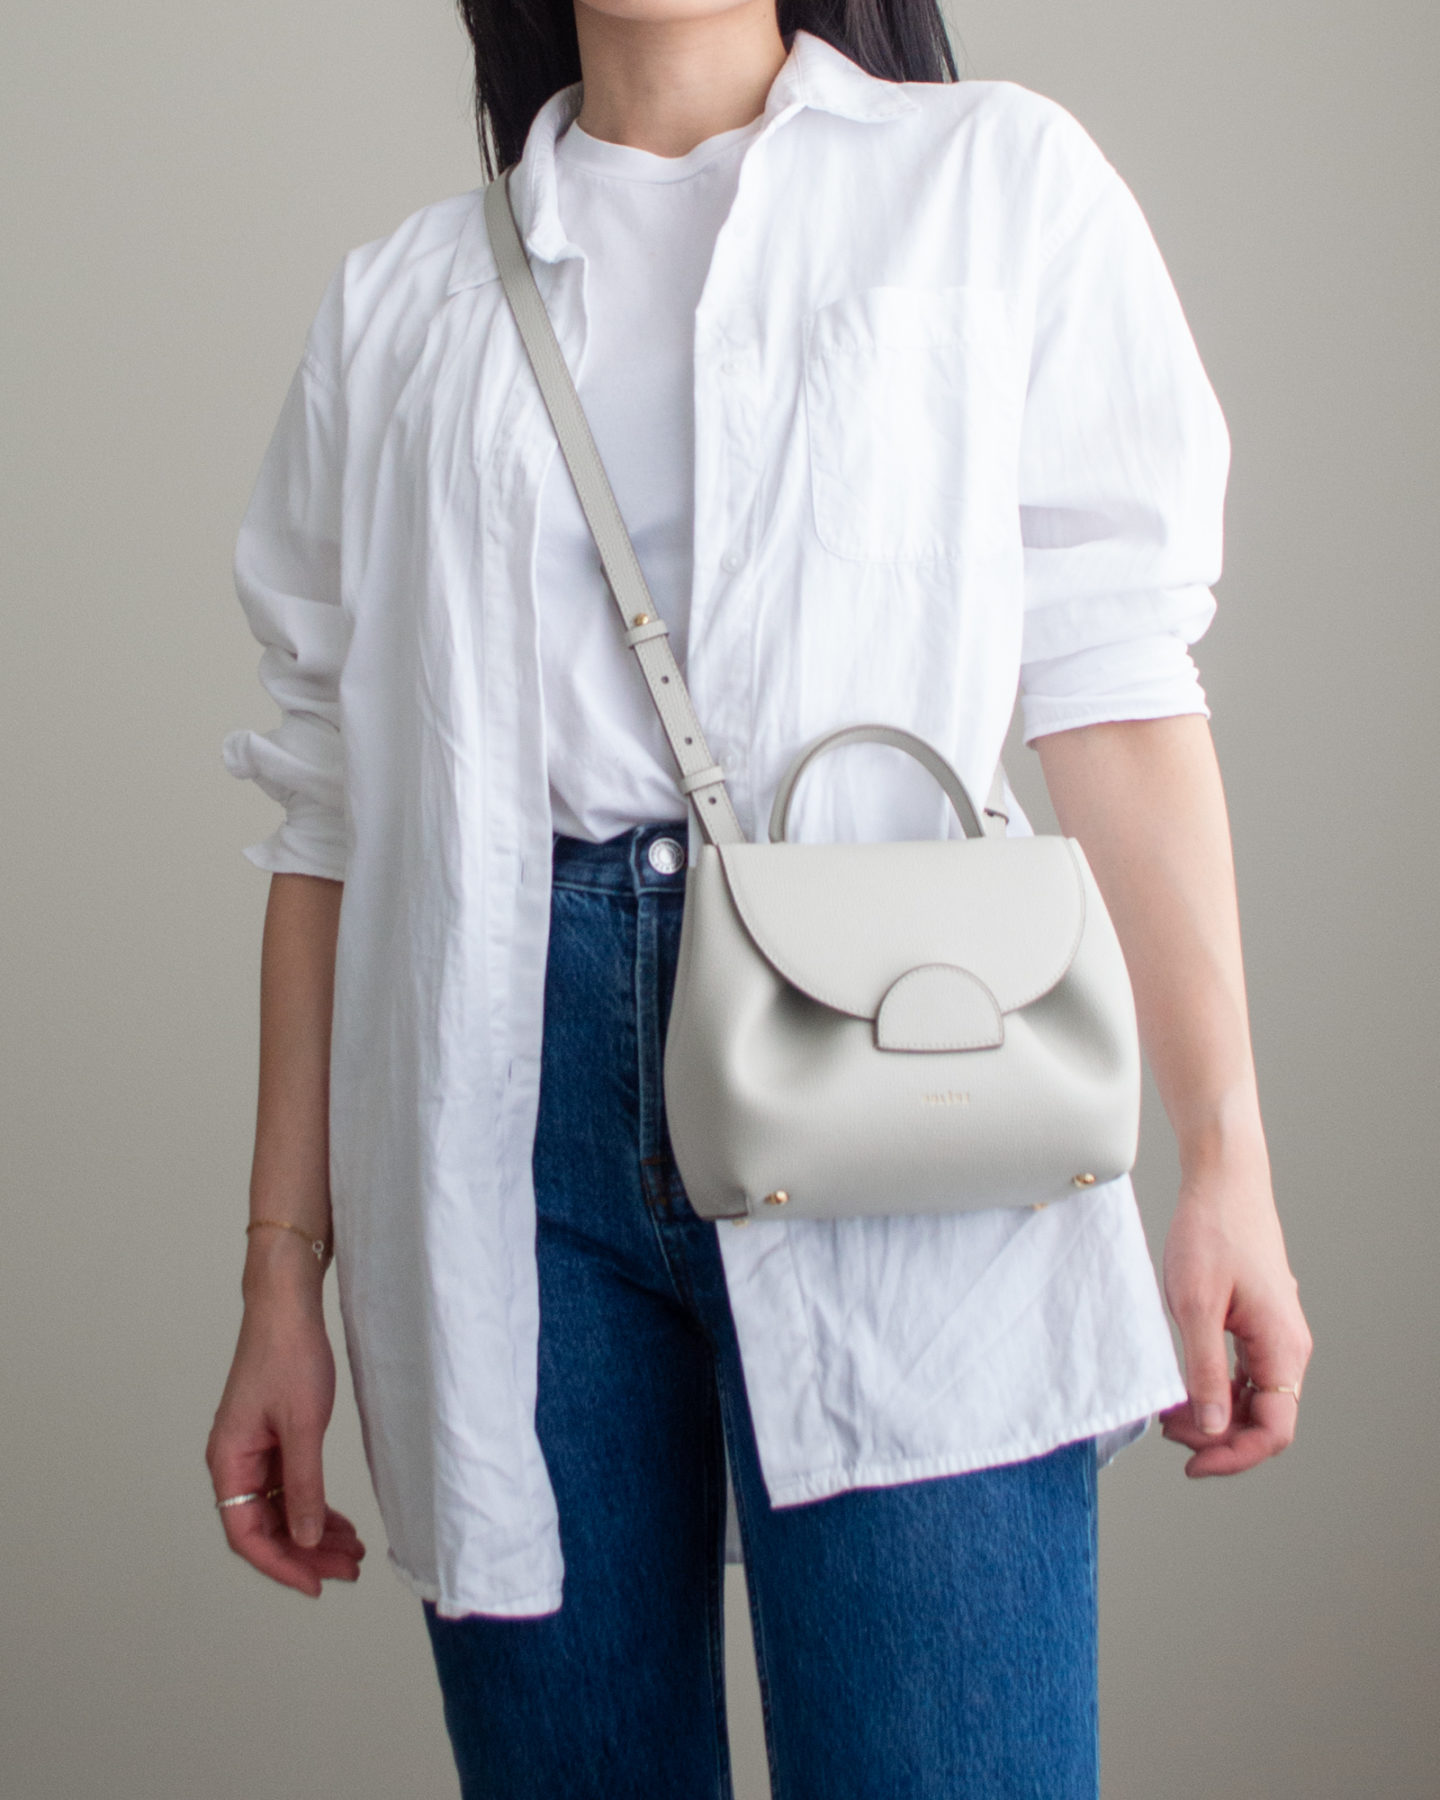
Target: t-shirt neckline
[598,156]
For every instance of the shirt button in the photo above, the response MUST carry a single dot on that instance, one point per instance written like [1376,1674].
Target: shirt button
[731,561]
[666,856]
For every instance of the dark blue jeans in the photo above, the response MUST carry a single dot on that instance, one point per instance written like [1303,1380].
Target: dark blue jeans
[934,1639]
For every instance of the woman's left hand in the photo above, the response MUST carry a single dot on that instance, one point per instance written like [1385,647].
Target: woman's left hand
[1226,1270]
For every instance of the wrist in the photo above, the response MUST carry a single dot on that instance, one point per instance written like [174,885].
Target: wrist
[1222,1138]
[281,1268]
[1227,1188]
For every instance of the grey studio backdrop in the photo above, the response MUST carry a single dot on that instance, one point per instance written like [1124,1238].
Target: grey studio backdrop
[179,180]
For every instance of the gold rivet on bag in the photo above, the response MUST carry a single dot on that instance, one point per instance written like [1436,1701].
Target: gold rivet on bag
[1083,1180]
[778,1198]
[642,618]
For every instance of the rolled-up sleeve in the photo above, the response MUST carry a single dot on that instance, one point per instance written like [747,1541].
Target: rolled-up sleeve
[1124,462]
[287,575]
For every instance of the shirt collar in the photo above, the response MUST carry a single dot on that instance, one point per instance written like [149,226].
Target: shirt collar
[814,74]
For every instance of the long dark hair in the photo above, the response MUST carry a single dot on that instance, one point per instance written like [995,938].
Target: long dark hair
[526,50]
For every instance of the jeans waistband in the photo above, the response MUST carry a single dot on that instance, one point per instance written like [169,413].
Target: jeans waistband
[644,859]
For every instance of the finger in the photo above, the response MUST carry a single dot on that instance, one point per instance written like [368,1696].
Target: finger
[1278,1415]
[339,1551]
[1269,1429]
[338,1533]
[342,1540]
[281,1559]
[1182,1429]
[342,1546]
[337,1523]
[242,1461]
[1178,1422]
[1272,1370]
[1263,1431]
[1244,1451]
[304,1497]
[245,1465]
[1207,1364]
[1271,1353]
[257,1533]
[334,1565]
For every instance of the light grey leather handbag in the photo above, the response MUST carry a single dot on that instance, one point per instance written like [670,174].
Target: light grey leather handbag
[863,1028]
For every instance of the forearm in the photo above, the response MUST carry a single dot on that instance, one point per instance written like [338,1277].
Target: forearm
[266,1443]
[1145,801]
[290,1177]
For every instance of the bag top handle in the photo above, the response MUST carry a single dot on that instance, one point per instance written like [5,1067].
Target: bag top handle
[898,739]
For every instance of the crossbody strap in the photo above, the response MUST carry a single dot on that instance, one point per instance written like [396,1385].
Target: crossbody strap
[701,778]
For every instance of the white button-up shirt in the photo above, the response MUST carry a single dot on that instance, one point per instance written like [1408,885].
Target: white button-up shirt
[952,437]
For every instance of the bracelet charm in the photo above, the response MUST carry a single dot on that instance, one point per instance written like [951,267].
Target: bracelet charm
[319,1247]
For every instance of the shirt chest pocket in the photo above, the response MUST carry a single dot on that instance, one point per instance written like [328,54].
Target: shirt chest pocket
[913,405]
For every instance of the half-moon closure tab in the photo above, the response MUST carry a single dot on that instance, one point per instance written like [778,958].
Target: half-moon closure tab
[939,1007]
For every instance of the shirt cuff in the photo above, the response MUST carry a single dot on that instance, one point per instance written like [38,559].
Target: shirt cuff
[1141,678]
[300,847]
[312,839]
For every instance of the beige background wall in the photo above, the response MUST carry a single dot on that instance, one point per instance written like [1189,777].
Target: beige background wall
[178,181]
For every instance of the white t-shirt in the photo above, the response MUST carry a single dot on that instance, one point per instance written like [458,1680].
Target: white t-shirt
[647,225]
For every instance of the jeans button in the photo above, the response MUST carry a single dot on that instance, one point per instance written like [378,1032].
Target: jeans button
[666,856]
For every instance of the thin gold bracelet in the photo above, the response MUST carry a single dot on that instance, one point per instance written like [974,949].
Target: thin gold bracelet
[322,1250]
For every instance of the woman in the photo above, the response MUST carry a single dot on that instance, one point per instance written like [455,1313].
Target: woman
[902,413]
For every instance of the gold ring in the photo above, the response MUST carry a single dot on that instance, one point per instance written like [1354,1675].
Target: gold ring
[1281,1388]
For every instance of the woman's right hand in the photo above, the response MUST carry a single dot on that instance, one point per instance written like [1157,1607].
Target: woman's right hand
[270,1426]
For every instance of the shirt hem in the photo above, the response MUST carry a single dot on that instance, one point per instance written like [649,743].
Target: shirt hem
[824,1484]
[525,1606]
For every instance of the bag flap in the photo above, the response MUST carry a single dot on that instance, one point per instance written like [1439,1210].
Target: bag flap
[842,922]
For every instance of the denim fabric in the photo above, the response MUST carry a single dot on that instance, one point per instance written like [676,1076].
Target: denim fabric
[934,1639]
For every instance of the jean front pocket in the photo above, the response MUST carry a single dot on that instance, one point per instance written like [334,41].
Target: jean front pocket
[913,402]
